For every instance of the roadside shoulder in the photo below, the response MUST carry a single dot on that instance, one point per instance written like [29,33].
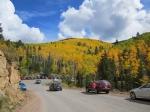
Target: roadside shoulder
[119,94]
[32,103]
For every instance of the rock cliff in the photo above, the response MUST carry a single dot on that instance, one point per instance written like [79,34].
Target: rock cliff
[9,79]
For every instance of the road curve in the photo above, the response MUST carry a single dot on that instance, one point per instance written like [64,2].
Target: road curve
[78,101]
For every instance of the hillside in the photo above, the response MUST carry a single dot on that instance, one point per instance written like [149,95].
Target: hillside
[80,58]
[144,38]
[80,54]
[71,47]
[127,63]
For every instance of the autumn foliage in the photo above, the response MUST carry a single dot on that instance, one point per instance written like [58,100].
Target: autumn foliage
[126,64]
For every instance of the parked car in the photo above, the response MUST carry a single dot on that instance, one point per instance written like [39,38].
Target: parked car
[38,81]
[22,86]
[27,78]
[55,86]
[99,86]
[141,92]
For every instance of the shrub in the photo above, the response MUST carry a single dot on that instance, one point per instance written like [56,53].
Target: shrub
[5,105]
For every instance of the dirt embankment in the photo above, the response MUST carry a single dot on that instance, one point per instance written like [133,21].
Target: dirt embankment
[32,103]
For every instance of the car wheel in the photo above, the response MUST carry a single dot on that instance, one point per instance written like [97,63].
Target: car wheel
[132,96]
[50,89]
[107,92]
[97,91]
[87,90]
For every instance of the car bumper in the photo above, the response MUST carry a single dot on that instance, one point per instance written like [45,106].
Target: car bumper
[23,89]
[94,89]
[55,89]
[90,89]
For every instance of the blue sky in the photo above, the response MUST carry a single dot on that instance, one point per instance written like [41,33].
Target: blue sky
[50,20]
[44,14]
[146,4]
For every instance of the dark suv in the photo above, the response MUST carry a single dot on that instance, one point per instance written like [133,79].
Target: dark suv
[38,81]
[99,86]
[55,86]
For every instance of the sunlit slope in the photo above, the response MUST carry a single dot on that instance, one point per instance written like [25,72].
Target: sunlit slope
[85,53]
[143,39]
[71,48]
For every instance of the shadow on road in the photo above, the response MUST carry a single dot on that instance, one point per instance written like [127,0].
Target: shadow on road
[91,93]
[48,90]
[52,91]
[141,101]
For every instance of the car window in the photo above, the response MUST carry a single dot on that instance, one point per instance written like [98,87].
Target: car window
[146,86]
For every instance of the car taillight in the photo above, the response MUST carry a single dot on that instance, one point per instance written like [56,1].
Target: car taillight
[109,86]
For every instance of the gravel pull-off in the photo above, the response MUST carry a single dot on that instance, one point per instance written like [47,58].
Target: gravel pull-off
[31,104]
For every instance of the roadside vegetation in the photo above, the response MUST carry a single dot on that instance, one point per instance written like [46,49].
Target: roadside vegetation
[5,105]
[125,64]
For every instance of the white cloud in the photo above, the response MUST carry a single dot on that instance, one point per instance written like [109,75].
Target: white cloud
[14,28]
[105,19]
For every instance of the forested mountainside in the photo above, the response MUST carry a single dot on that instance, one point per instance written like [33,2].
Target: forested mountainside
[123,63]
[127,63]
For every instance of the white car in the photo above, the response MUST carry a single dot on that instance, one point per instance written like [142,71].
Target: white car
[141,92]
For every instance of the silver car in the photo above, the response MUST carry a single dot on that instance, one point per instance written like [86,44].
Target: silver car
[141,92]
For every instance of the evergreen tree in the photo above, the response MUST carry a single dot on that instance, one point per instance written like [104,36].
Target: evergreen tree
[39,48]
[19,43]
[96,50]
[106,68]
[8,43]
[116,41]
[138,34]
[1,33]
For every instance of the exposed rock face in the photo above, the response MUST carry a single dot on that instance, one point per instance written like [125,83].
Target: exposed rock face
[4,79]
[9,79]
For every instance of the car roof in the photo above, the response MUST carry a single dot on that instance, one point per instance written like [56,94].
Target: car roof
[38,80]
[56,82]
[102,81]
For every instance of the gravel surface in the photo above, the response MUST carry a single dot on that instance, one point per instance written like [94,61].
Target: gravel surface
[78,101]
[32,103]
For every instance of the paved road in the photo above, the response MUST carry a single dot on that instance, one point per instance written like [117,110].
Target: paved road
[78,101]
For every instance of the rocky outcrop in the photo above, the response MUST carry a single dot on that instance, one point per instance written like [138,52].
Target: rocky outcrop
[4,79]
[9,79]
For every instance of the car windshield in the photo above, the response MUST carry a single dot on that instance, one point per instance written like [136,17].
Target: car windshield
[38,80]
[56,83]
[104,81]
[22,84]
